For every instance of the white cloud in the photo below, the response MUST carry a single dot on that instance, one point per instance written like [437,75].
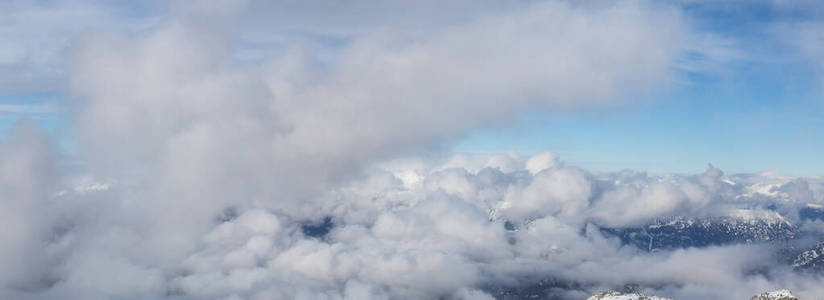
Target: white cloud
[37,37]
[25,175]
[210,167]
[541,162]
[562,192]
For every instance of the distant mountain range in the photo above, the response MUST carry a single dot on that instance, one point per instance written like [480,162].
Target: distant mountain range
[611,295]
[623,296]
[798,247]
[795,245]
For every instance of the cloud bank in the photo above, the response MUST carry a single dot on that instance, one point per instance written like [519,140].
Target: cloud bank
[306,177]
[411,228]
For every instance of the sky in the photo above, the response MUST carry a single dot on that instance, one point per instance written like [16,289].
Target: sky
[757,107]
[744,95]
[219,149]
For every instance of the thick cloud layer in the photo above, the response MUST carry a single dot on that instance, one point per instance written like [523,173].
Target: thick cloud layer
[195,133]
[25,178]
[414,229]
[209,177]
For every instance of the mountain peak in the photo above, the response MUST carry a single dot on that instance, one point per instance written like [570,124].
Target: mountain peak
[623,296]
[783,294]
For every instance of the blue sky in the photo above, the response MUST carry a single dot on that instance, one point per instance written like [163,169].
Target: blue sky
[762,111]
[748,100]
[735,129]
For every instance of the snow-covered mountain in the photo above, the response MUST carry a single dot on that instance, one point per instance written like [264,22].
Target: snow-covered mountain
[679,232]
[796,245]
[623,296]
[783,294]
[811,259]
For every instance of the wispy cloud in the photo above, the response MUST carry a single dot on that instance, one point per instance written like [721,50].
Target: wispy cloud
[28,109]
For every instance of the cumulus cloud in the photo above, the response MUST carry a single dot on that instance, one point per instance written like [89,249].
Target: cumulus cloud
[309,177]
[391,240]
[25,175]
[172,110]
